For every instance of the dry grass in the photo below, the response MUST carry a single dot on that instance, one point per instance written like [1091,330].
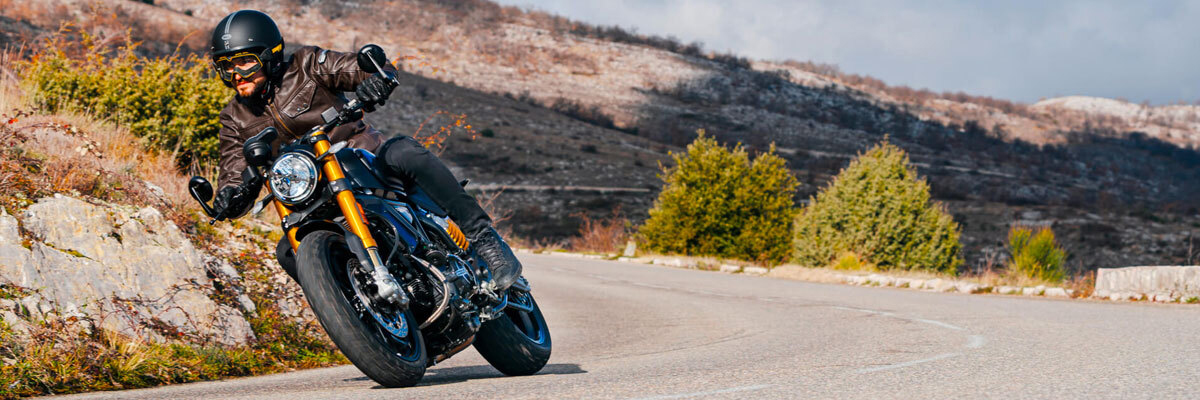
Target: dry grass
[76,152]
[606,235]
[56,354]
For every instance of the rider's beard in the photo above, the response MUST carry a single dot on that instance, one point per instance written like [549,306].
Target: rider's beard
[246,88]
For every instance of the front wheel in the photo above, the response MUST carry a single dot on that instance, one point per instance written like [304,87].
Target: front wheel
[518,342]
[386,346]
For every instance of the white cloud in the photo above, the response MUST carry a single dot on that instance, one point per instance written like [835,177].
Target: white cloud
[1021,50]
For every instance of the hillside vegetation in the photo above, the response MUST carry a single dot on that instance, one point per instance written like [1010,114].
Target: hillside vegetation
[570,104]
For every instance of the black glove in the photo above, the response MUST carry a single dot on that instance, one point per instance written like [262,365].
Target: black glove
[375,90]
[231,202]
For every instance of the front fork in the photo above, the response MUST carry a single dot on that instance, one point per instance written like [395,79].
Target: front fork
[387,288]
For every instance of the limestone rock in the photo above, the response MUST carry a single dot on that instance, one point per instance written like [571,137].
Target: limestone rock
[10,234]
[1056,292]
[755,270]
[881,280]
[941,285]
[856,280]
[128,268]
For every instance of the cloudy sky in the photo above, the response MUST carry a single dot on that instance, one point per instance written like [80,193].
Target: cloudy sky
[1015,49]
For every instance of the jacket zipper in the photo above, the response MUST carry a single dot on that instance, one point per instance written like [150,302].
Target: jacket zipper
[275,113]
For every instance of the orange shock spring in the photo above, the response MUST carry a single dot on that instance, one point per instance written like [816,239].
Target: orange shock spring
[457,234]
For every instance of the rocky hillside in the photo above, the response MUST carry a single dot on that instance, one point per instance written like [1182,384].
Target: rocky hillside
[108,278]
[554,102]
[129,269]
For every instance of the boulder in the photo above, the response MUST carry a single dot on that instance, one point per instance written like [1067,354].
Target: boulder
[127,268]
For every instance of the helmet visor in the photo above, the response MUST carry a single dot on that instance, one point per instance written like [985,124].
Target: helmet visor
[244,64]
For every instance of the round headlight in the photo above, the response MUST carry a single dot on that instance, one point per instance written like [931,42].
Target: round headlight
[293,177]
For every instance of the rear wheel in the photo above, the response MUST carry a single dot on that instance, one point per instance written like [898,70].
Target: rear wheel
[384,344]
[517,343]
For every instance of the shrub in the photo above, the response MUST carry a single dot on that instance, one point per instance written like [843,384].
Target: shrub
[717,202]
[607,235]
[878,209]
[1036,255]
[171,103]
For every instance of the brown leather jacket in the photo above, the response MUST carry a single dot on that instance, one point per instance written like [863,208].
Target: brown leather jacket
[314,79]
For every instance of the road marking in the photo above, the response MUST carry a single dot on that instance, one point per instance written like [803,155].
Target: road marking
[907,363]
[708,393]
[652,286]
[975,341]
[898,316]
[938,323]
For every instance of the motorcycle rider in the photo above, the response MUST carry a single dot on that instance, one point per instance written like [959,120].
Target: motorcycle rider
[290,93]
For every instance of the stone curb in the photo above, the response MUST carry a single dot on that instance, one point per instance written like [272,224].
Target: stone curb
[875,279]
[937,284]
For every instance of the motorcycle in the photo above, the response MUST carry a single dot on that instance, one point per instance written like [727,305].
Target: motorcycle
[393,281]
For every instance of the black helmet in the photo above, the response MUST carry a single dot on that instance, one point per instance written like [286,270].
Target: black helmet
[246,32]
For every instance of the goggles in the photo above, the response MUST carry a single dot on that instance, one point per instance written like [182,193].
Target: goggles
[244,64]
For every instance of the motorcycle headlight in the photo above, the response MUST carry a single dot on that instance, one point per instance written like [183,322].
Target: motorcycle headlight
[293,177]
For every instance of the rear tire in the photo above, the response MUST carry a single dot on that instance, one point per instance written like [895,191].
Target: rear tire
[321,266]
[516,348]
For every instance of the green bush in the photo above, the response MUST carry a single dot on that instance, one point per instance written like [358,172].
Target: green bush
[171,103]
[718,203]
[878,209]
[1036,255]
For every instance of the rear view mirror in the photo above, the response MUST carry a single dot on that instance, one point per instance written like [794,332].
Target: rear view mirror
[201,189]
[257,149]
[371,58]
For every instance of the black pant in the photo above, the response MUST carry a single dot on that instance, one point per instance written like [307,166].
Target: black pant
[408,162]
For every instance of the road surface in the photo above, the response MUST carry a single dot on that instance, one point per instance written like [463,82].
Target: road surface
[632,331]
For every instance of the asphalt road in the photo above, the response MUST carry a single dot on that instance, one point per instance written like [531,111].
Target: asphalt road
[625,331]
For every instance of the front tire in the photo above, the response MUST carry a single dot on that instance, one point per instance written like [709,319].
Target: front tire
[517,343]
[322,268]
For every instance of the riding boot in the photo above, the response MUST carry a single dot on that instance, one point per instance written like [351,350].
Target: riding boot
[492,249]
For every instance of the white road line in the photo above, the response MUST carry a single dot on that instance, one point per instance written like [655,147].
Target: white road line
[906,363]
[975,341]
[938,323]
[708,393]
[898,316]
